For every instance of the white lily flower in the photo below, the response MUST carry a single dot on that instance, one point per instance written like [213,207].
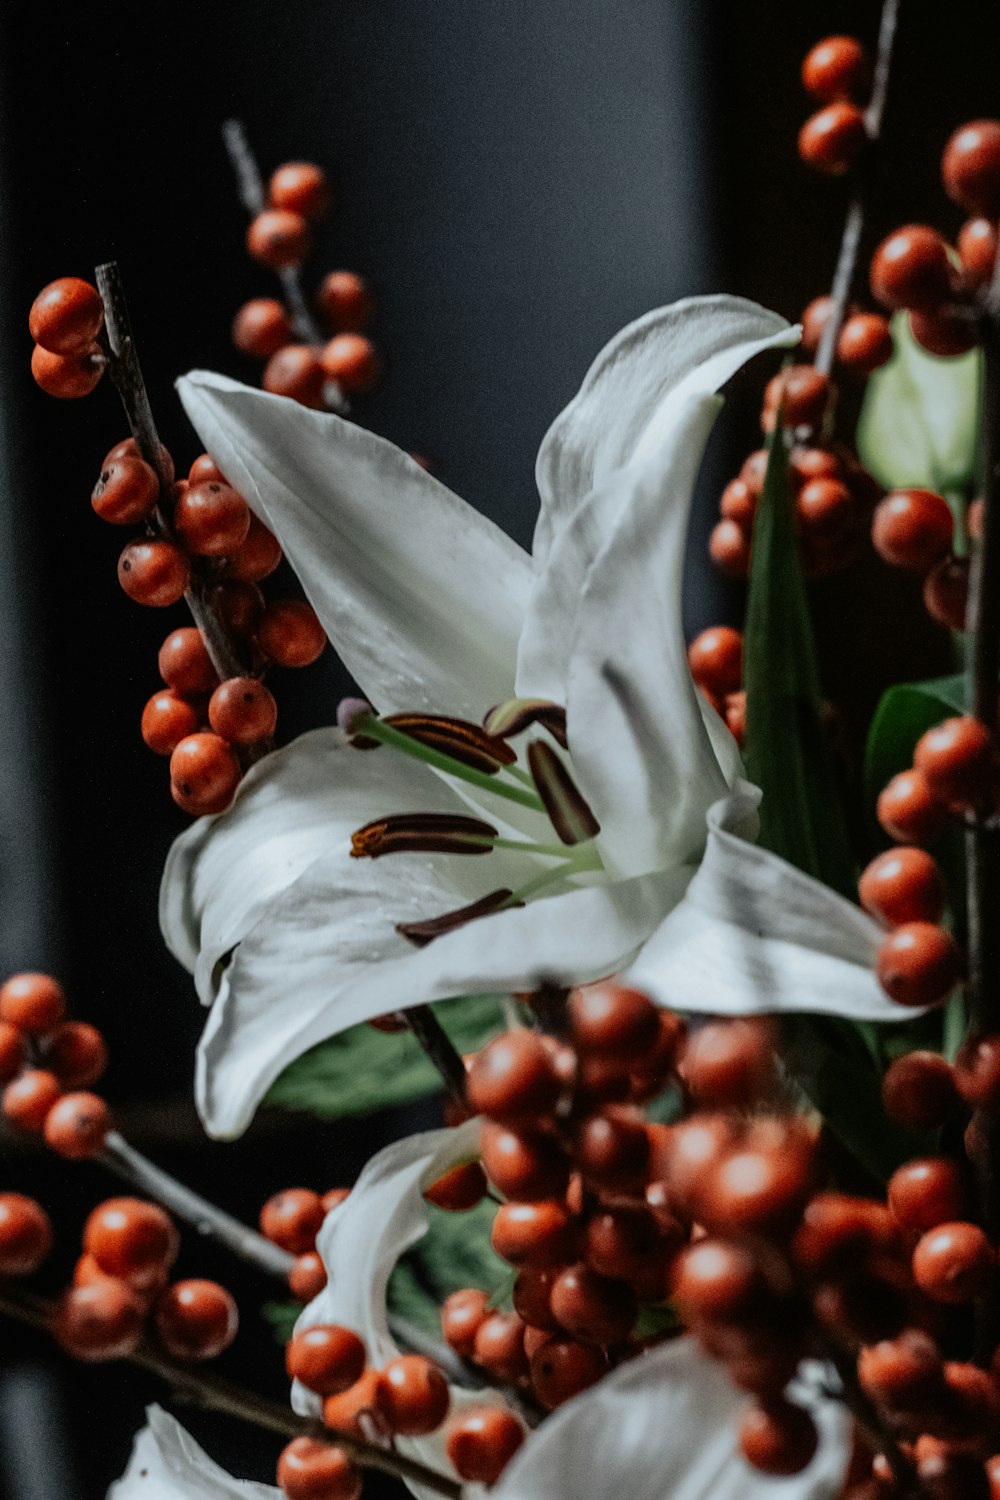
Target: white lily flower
[433,608]
[663,1425]
[167,1464]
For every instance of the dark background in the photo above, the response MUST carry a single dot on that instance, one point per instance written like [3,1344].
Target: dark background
[518,180]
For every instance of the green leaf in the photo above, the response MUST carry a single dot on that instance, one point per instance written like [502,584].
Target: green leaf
[919,418]
[363,1070]
[787,753]
[281,1316]
[904,713]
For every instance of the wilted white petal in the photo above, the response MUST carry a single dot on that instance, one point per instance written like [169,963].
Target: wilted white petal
[663,1427]
[326,955]
[693,346]
[753,934]
[167,1464]
[422,596]
[360,1243]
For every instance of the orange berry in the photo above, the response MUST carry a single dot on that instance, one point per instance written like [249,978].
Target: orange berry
[25,1235]
[592,1307]
[307,1278]
[257,556]
[833,139]
[302,188]
[729,1064]
[513,1077]
[944,333]
[946,592]
[166,720]
[296,372]
[902,885]
[126,492]
[413,1396]
[13,1051]
[482,1442]
[185,664]
[77,1124]
[154,572]
[345,1412]
[310,1469]
[66,316]
[959,759]
[290,633]
[912,529]
[292,1219]
[211,519]
[353,362]
[911,269]
[918,964]
[521,1164]
[738,503]
[613,1019]
[803,393]
[499,1346]
[98,1322]
[278,238]
[970,167]
[346,301]
[953,1263]
[204,774]
[824,508]
[205,467]
[326,1358]
[66,376]
[129,1237]
[243,711]
[715,658]
[927,1192]
[865,343]
[33,1002]
[919,1090]
[462,1314]
[239,606]
[777,1438]
[196,1320]
[27,1100]
[977,250]
[563,1367]
[835,68]
[729,548]
[459,1189]
[535,1234]
[908,809]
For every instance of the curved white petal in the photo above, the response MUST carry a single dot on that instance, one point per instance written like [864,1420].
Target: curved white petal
[360,1243]
[754,935]
[167,1464]
[326,955]
[694,345]
[422,596]
[663,1427]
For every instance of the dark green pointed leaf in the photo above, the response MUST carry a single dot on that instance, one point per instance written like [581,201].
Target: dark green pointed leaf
[363,1070]
[904,713]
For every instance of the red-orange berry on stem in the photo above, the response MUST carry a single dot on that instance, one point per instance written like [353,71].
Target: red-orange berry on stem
[760,1186]
[918,964]
[592,1307]
[613,1019]
[25,1235]
[946,592]
[499,1346]
[911,269]
[166,720]
[824,508]
[243,711]
[27,1100]
[77,1125]
[977,1072]
[13,1050]
[292,1219]
[326,1358]
[482,1442]
[154,572]
[195,1319]
[970,167]
[185,664]
[126,492]
[909,811]
[278,238]
[926,1192]
[865,343]
[347,1411]
[290,633]
[729,1064]
[98,1322]
[522,1164]
[295,371]
[34,1002]
[902,885]
[835,68]
[714,1280]
[912,529]
[563,1367]
[459,1189]
[211,519]
[538,1234]
[204,774]
[257,556]
[715,658]
[66,376]
[353,362]
[76,1053]
[953,1262]
[66,316]
[239,606]
[738,503]
[803,393]
[346,301]
[307,1278]
[833,139]
[814,319]
[462,1314]
[513,1077]
[129,448]
[777,1438]
[301,187]
[729,548]
[413,1396]
[203,468]
[919,1090]
[960,761]
[129,1237]
[945,333]
[977,250]
[309,1469]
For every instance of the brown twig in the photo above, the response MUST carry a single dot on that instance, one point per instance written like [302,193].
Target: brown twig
[439,1049]
[216,1394]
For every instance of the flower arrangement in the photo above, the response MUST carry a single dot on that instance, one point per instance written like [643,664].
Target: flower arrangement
[718,1167]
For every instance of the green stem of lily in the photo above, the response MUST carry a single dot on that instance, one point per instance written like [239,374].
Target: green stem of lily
[376,729]
[550,851]
[587,859]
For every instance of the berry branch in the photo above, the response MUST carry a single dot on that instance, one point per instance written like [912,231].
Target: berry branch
[439,1050]
[215,1394]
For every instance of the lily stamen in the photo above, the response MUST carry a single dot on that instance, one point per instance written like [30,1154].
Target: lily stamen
[422,933]
[371,728]
[517,714]
[459,738]
[568,811]
[427,833]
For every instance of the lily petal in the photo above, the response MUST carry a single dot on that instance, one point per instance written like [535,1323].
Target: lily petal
[422,596]
[360,1243]
[694,345]
[663,1427]
[754,935]
[167,1464]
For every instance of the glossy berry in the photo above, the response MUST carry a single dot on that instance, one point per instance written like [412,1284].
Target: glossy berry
[77,1125]
[824,508]
[833,139]
[902,1372]
[66,376]
[909,811]
[759,1187]
[353,362]
[76,1053]
[345,301]
[613,1019]
[611,1149]
[959,759]
[307,1278]
[953,1263]
[977,250]
[513,1077]
[946,592]
[918,964]
[243,711]
[239,606]
[714,1280]
[592,1307]
[814,319]
[326,1358]
[27,1100]
[129,448]
[98,1322]
[413,1396]
[66,316]
[204,467]
[977,1072]
[970,167]
[458,1189]
[154,572]
[499,1346]
[482,1442]
[166,720]
[927,1192]
[902,885]
[912,529]
[803,393]
[204,774]
[292,1219]
[257,556]
[278,238]
[729,1064]
[211,519]
[461,1317]
[944,333]
[13,1050]
[910,269]
[563,1367]
[536,1234]
[346,1412]
[715,658]
[309,1469]
[836,68]
[865,343]
[778,1438]
[522,1164]
[130,1238]
[729,548]
[25,1235]
[919,1090]
[126,492]
[738,503]
[185,664]
[296,372]
[34,1002]
[195,1320]
[302,188]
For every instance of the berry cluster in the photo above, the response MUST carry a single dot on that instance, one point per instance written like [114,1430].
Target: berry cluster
[914,530]
[66,323]
[47,1065]
[292,1219]
[836,73]
[316,374]
[715,658]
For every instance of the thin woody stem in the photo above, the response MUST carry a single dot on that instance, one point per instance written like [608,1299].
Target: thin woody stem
[215,1394]
[439,1049]
[850,243]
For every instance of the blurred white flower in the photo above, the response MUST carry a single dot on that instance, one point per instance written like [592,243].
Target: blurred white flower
[167,1464]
